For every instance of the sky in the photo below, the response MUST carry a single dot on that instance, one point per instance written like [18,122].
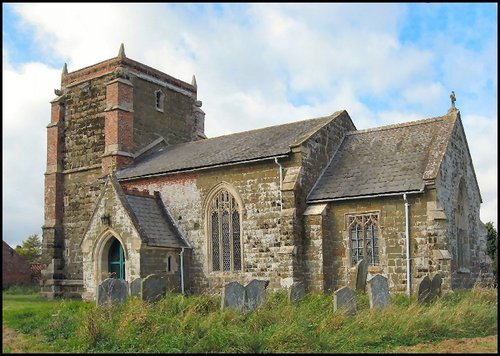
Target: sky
[256,65]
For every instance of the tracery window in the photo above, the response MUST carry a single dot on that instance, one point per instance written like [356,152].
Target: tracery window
[224,232]
[364,238]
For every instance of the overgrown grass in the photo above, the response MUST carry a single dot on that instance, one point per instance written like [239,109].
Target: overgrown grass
[196,324]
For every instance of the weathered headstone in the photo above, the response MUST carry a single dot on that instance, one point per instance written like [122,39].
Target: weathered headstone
[112,290]
[436,287]
[296,292]
[135,287]
[424,290]
[361,275]
[233,296]
[378,292]
[255,294]
[153,288]
[345,299]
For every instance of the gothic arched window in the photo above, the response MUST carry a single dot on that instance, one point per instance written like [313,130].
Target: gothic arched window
[364,237]
[224,232]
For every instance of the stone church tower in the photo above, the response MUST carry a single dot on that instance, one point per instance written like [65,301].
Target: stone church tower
[103,118]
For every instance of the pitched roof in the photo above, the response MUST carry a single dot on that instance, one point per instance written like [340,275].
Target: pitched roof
[153,222]
[386,160]
[229,149]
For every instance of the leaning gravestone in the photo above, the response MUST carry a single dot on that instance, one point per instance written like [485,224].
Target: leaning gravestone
[135,287]
[255,294]
[361,275]
[296,292]
[424,290]
[436,287]
[112,290]
[378,292]
[233,296]
[153,288]
[345,299]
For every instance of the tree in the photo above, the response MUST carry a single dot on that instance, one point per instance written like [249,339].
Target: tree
[492,244]
[31,249]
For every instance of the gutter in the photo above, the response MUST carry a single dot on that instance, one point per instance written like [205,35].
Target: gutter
[181,254]
[408,250]
[281,182]
[180,171]
[364,196]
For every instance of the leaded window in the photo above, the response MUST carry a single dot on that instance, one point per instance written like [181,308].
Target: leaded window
[364,238]
[225,235]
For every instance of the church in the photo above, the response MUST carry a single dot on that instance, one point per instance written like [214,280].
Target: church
[134,187]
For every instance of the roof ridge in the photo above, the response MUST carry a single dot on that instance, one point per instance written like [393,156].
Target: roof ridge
[260,129]
[400,125]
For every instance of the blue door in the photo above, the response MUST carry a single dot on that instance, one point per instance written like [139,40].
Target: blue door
[116,260]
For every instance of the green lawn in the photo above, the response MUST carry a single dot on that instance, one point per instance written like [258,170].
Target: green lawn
[196,324]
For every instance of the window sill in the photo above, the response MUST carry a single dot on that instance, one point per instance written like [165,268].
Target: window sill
[463,270]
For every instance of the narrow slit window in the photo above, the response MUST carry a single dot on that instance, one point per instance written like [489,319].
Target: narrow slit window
[159,100]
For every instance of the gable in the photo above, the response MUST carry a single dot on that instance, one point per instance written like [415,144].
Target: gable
[135,214]
[387,160]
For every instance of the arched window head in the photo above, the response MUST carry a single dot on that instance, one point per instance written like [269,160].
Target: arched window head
[159,100]
[224,232]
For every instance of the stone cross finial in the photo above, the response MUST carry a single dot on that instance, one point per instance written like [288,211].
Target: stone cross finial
[453,99]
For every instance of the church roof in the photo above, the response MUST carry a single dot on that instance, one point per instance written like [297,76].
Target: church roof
[229,149]
[386,160]
[153,222]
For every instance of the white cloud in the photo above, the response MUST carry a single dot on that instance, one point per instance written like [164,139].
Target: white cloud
[256,65]
[26,113]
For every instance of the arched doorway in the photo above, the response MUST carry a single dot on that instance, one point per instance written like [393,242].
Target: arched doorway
[116,260]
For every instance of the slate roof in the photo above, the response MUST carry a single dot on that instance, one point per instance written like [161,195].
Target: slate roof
[229,149]
[386,160]
[152,220]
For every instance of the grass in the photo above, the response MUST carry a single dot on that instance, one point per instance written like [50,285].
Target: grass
[196,324]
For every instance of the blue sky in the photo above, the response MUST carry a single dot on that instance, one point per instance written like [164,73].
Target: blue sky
[256,65]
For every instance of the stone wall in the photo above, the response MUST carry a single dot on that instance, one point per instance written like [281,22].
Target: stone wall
[456,167]
[175,123]
[257,185]
[330,267]
[313,155]
[77,141]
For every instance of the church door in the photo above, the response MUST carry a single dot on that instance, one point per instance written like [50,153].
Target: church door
[116,260]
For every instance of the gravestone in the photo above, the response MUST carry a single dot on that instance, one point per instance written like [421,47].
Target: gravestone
[378,292]
[424,290]
[135,287]
[112,290]
[296,292]
[345,299]
[233,296]
[361,274]
[436,287]
[153,288]
[255,294]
